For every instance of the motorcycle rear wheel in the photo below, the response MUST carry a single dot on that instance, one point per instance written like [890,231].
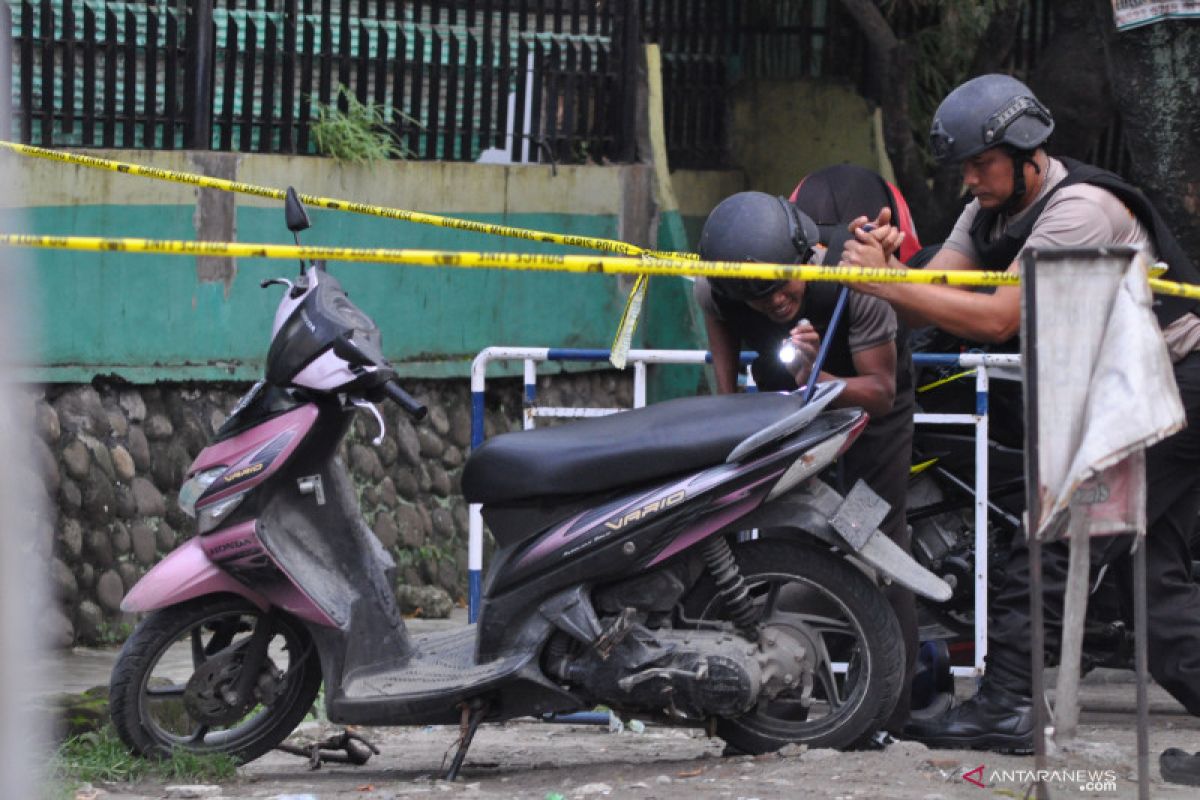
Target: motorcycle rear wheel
[169,687]
[813,590]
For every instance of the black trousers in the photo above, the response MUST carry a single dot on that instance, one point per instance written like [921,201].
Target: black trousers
[881,457]
[1173,598]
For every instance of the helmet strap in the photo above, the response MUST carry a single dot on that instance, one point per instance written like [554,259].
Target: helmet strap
[1019,159]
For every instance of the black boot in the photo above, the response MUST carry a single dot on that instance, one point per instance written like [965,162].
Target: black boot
[1179,766]
[994,719]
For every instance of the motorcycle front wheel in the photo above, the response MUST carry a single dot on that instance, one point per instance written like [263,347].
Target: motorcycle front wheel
[174,686]
[854,663]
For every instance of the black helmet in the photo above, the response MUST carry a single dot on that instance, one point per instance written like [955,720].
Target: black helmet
[754,226]
[985,112]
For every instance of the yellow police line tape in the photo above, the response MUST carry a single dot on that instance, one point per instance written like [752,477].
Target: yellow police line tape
[221,184]
[629,317]
[542,262]
[545,262]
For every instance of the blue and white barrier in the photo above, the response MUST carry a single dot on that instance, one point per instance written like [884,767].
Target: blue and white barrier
[1008,365]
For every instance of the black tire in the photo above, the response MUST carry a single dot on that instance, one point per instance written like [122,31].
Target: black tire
[154,714]
[866,637]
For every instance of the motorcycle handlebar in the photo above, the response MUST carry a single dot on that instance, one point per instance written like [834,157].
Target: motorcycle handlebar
[414,407]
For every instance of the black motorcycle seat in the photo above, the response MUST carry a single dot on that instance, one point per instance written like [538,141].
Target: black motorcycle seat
[601,453]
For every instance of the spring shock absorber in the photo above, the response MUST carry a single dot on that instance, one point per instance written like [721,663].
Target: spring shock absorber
[730,585]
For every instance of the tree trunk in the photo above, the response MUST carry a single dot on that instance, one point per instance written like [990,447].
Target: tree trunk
[891,59]
[1071,77]
[1157,89]
[934,204]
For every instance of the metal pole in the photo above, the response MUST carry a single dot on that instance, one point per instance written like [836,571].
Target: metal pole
[631,48]
[1033,513]
[200,74]
[1075,600]
[530,392]
[838,308]
[1141,624]
[981,516]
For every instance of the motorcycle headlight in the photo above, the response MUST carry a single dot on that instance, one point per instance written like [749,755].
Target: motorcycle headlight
[211,516]
[195,486]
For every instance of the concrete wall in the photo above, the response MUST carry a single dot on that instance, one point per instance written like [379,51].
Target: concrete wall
[783,130]
[145,318]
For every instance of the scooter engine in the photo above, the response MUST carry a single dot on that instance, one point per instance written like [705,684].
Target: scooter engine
[693,674]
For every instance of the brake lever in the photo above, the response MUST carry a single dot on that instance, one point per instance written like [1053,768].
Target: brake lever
[358,401]
[274,281]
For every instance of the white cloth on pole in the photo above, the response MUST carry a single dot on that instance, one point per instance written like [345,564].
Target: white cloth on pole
[1105,387]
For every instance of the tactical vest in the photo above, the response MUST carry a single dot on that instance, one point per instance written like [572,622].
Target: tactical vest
[999,254]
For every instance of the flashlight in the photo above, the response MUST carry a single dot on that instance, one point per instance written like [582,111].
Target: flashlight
[789,354]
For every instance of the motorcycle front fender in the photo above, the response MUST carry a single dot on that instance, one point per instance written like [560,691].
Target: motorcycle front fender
[811,506]
[183,575]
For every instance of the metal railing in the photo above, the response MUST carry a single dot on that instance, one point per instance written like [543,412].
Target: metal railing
[980,362]
[532,356]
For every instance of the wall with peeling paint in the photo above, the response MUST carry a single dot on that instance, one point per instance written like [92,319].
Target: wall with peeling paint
[783,130]
[147,318]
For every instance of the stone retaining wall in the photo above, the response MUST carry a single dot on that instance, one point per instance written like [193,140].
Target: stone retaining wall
[110,458]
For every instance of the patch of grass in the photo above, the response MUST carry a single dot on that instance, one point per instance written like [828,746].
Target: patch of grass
[317,712]
[101,757]
[108,634]
[361,134]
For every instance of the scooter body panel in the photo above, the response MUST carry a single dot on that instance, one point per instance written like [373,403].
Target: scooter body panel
[253,456]
[186,573]
[230,561]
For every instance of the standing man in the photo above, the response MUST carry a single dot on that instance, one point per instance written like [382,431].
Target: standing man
[864,352]
[995,128]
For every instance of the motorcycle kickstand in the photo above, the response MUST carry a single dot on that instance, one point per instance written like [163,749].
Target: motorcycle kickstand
[472,714]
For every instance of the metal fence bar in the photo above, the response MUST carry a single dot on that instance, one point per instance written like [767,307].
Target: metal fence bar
[266,131]
[981,363]
[89,76]
[6,25]
[243,117]
[452,65]
[23,46]
[111,51]
[68,68]
[150,85]
[47,71]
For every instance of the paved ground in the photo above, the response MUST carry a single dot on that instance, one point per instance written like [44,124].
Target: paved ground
[530,759]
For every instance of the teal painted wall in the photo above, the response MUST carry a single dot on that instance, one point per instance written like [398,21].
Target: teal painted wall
[148,317]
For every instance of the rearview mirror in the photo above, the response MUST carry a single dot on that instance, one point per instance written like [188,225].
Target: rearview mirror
[297,216]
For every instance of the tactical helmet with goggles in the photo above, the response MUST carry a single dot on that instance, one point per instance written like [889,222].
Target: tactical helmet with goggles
[755,226]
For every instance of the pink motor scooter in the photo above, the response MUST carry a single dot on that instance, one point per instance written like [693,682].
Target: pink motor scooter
[617,578]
